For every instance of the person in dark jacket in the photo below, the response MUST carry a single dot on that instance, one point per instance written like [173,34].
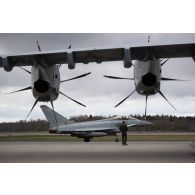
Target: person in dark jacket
[123,129]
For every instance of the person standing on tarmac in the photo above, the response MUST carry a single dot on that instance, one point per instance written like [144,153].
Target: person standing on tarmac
[123,129]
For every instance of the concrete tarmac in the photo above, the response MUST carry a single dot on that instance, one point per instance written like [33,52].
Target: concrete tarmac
[96,152]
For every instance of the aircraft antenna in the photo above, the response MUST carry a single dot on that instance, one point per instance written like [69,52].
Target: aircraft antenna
[39,48]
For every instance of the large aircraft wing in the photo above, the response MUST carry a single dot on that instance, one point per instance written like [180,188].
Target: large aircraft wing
[163,51]
[101,55]
[51,58]
[31,59]
[136,53]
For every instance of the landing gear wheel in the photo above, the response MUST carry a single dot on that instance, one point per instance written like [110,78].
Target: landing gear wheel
[86,139]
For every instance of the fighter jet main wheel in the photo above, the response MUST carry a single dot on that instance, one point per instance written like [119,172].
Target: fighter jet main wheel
[86,139]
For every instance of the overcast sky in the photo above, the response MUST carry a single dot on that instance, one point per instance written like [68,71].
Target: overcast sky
[98,93]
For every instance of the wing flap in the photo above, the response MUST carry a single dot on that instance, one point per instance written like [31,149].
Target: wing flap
[99,55]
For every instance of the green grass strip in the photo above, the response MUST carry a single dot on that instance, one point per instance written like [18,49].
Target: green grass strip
[67,138]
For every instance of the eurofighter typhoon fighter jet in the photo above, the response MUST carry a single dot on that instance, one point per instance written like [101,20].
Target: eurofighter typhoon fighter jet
[87,130]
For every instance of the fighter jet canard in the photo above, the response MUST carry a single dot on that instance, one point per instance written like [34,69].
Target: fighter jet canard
[90,129]
[45,75]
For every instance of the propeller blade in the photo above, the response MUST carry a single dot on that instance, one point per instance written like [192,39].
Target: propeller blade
[27,88]
[25,69]
[166,99]
[113,77]
[54,111]
[168,79]
[32,108]
[146,105]
[80,76]
[69,46]
[72,99]
[148,38]
[39,48]
[164,62]
[124,99]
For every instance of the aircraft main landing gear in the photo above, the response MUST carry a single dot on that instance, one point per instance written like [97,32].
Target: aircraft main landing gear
[86,139]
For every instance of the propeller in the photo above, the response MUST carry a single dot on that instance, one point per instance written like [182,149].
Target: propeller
[72,99]
[146,105]
[168,79]
[25,70]
[54,111]
[164,62]
[166,99]
[27,88]
[39,48]
[32,108]
[69,46]
[125,99]
[113,77]
[80,76]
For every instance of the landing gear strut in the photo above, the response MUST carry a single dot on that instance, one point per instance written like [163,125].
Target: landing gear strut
[86,139]
[116,138]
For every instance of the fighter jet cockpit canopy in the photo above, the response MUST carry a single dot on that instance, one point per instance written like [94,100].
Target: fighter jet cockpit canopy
[123,117]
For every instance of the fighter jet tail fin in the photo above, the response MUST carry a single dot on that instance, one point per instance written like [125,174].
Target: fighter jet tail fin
[54,117]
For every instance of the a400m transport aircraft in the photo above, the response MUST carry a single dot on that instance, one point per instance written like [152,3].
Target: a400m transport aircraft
[87,130]
[45,74]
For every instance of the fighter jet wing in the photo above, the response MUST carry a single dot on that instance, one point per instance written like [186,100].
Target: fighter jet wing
[93,129]
[132,125]
[104,129]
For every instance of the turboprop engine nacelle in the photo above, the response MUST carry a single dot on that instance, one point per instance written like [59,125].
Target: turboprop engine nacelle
[70,61]
[4,62]
[127,58]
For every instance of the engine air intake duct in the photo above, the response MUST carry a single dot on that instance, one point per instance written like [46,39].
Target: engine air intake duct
[149,79]
[41,86]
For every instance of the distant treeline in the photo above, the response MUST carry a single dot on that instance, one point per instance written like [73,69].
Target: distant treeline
[35,126]
[169,123]
[160,123]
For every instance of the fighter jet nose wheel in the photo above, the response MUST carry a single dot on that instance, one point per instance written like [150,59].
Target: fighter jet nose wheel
[86,139]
